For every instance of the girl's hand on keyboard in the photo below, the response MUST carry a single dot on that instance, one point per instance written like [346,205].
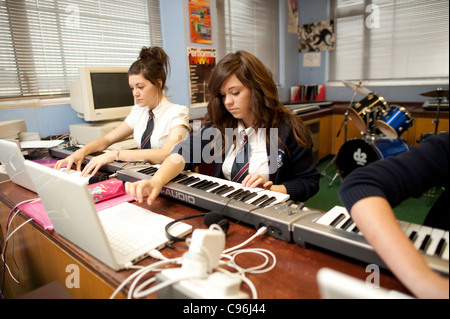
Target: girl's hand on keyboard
[97,162]
[256,180]
[75,158]
[143,188]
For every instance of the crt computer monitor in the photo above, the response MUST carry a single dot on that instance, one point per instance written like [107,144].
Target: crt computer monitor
[101,93]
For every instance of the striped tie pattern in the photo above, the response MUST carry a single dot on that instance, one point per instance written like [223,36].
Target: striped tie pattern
[145,140]
[240,165]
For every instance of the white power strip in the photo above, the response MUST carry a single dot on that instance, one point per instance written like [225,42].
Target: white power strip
[196,277]
[215,286]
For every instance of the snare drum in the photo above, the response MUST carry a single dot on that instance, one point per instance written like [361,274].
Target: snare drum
[358,153]
[367,110]
[396,121]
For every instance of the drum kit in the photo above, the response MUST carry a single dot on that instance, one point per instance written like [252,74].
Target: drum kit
[380,124]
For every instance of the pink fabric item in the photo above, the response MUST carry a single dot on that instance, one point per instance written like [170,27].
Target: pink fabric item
[105,194]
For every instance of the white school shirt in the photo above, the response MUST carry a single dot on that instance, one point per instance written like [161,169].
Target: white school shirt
[166,116]
[259,163]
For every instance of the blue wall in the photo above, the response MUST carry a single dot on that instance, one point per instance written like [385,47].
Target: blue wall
[47,120]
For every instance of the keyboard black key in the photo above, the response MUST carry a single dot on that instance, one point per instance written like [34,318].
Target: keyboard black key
[337,220]
[249,196]
[260,200]
[413,236]
[235,193]
[225,190]
[425,243]
[440,247]
[209,186]
[267,202]
[200,183]
[347,224]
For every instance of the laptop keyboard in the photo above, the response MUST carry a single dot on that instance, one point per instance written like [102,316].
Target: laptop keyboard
[130,227]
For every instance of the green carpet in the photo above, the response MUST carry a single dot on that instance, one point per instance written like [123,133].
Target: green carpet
[412,210]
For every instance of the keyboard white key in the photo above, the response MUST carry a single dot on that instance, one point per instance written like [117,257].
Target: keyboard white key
[77,174]
[444,255]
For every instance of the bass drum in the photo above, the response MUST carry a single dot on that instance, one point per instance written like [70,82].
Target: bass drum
[358,153]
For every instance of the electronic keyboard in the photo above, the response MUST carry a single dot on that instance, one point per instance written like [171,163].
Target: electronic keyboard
[254,206]
[63,152]
[337,232]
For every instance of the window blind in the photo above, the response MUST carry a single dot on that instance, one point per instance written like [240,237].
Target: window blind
[385,40]
[250,25]
[45,41]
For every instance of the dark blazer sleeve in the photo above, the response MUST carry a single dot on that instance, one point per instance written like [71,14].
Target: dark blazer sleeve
[296,168]
[194,148]
[397,178]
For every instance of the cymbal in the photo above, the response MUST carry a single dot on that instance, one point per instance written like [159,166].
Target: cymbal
[437,93]
[358,88]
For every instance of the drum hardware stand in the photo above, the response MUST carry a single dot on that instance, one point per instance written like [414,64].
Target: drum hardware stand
[343,124]
[438,110]
[439,94]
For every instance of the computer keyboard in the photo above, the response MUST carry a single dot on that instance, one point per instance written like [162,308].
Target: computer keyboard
[127,144]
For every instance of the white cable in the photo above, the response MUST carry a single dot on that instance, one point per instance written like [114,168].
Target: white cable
[261,231]
[157,255]
[256,269]
[142,270]
[11,218]
[9,271]
[16,229]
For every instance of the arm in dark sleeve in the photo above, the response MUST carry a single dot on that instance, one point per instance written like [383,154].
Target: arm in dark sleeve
[298,173]
[197,148]
[397,178]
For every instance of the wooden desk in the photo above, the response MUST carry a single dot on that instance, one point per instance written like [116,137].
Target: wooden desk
[43,257]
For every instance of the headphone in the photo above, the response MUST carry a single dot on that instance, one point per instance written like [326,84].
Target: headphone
[95,179]
[208,219]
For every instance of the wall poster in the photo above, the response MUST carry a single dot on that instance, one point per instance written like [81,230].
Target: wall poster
[201,63]
[317,36]
[200,21]
[292,16]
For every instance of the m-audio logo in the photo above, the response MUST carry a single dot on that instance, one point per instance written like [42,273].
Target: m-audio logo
[178,195]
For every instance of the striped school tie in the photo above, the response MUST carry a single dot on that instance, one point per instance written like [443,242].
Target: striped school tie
[145,141]
[240,165]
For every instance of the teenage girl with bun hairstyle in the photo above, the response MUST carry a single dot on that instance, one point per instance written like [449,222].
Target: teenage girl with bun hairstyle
[170,122]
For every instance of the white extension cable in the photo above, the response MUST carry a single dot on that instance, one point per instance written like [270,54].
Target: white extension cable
[205,255]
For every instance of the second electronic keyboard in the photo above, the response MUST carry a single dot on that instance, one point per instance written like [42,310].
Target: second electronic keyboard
[337,232]
[257,207]
[63,152]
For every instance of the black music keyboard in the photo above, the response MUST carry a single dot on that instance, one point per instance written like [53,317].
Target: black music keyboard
[337,232]
[257,207]
[63,152]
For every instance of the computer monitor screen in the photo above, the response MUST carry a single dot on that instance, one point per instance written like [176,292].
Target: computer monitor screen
[102,93]
[110,90]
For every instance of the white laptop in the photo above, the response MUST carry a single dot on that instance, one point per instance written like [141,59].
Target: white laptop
[12,159]
[72,211]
